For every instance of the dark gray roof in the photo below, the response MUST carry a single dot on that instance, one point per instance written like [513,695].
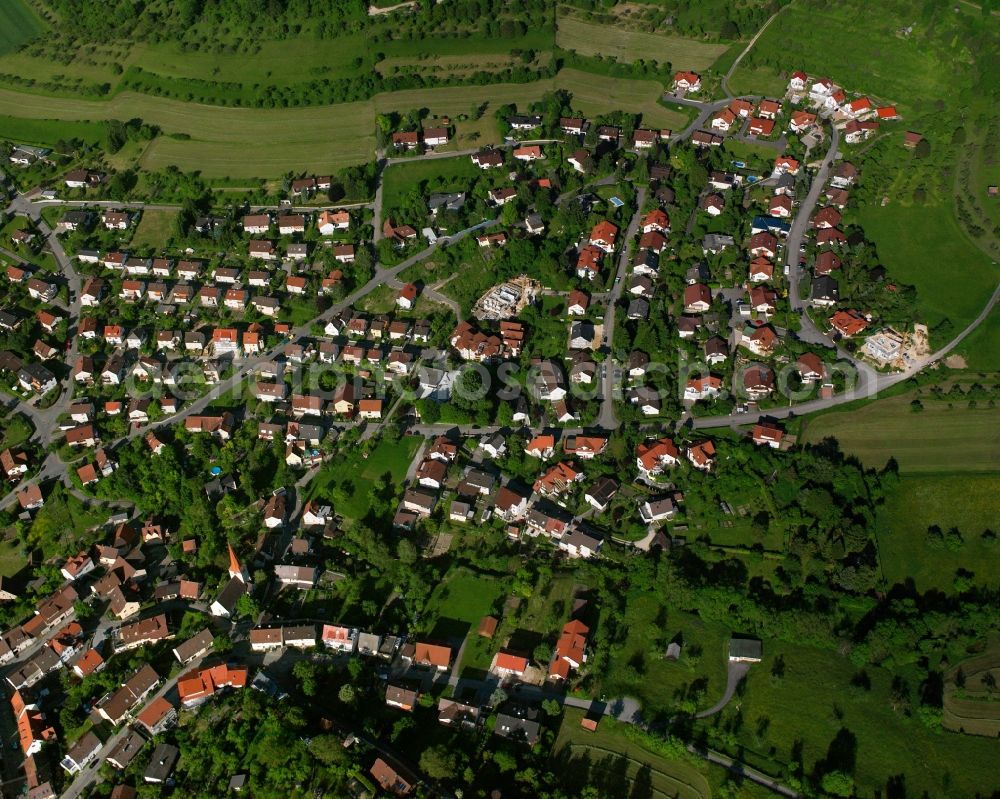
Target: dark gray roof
[161,763]
[746,648]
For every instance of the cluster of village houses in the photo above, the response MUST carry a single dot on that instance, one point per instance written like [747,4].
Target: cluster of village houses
[53,638]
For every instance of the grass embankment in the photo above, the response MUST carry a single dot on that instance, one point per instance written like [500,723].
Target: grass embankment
[971,700]
[620,766]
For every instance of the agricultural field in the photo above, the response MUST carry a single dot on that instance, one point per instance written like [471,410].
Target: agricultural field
[937,439]
[589,39]
[349,480]
[973,707]
[806,704]
[607,757]
[155,229]
[216,140]
[47,132]
[18,24]
[907,551]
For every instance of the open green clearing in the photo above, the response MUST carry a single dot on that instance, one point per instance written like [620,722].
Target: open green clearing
[18,24]
[11,559]
[815,709]
[863,55]
[587,38]
[15,428]
[459,603]
[441,175]
[981,349]
[938,439]
[638,666]
[243,142]
[645,773]
[355,476]
[970,503]
[923,246]
[155,229]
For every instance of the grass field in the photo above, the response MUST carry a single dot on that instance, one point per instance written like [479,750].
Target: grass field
[441,175]
[459,603]
[915,243]
[854,43]
[243,142]
[11,559]
[587,38]
[46,132]
[936,440]
[644,773]
[18,24]
[970,503]
[155,229]
[814,711]
[361,474]
[637,666]
[981,350]
[974,707]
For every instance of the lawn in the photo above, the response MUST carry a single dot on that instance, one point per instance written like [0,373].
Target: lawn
[938,439]
[18,24]
[60,525]
[355,475]
[440,175]
[549,606]
[11,559]
[155,229]
[15,429]
[587,38]
[595,757]
[814,712]
[970,503]
[923,246]
[638,668]
[457,606]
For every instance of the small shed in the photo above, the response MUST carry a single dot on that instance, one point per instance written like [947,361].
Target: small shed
[238,782]
[746,650]
[488,626]
[673,651]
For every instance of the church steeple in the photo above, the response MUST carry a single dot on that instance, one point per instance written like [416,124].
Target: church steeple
[235,569]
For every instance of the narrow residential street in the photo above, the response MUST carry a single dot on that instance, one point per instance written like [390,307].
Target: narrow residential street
[607,419]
